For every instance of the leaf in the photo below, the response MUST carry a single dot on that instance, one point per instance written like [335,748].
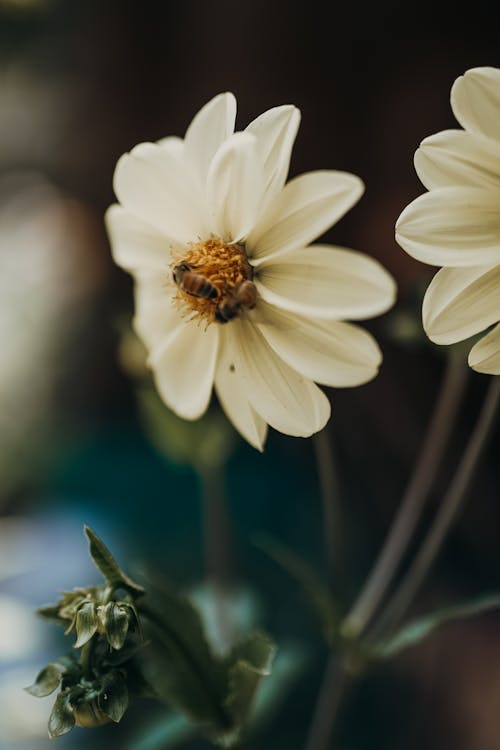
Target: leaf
[249,661]
[61,720]
[178,663]
[315,590]
[51,613]
[414,632]
[106,563]
[85,623]
[48,680]
[113,698]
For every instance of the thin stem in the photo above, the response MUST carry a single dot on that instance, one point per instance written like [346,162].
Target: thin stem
[335,682]
[218,550]
[330,498]
[451,506]
[412,504]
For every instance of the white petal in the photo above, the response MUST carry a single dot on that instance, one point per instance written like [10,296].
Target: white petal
[155,314]
[306,207]
[135,244]
[452,227]
[234,186]
[461,302]
[275,131]
[456,157]
[475,100]
[283,398]
[485,355]
[326,282]
[173,144]
[184,367]
[331,353]
[211,126]
[232,393]
[156,187]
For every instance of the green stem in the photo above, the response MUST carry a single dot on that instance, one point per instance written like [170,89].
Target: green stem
[409,513]
[330,498]
[451,506]
[336,680]
[218,550]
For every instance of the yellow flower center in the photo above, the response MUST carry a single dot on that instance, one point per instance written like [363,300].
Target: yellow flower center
[214,281]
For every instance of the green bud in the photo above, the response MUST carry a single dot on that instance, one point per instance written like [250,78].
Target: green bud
[85,623]
[114,619]
[113,696]
[87,714]
[61,719]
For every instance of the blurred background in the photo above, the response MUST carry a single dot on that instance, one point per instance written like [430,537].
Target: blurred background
[82,82]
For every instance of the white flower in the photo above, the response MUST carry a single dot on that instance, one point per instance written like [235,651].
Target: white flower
[457,223]
[228,293]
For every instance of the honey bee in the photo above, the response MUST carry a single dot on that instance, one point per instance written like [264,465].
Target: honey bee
[193,283]
[244,297]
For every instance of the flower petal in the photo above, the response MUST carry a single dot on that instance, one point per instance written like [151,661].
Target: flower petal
[135,244]
[155,315]
[155,186]
[234,186]
[456,157]
[455,226]
[461,302]
[326,282]
[331,353]
[184,367]
[173,144]
[210,127]
[275,131]
[232,393]
[475,100]
[306,207]
[283,398]
[485,355]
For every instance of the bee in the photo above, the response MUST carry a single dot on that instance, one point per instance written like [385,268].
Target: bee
[244,297]
[193,283]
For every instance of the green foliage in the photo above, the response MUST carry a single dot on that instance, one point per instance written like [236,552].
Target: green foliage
[102,557]
[411,634]
[174,664]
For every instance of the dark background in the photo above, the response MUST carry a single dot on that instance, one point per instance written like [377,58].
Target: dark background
[82,82]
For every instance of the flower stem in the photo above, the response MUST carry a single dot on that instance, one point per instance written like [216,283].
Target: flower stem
[218,549]
[330,497]
[335,682]
[412,504]
[451,506]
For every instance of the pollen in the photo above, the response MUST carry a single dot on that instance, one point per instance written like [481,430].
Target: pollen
[206,274]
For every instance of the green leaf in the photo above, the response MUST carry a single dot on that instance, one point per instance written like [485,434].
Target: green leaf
[113,698]
[415,631]
[106,563]
[48,680]
[249,661]
[315,590]
[85,623]
[51,613]
[178,663]
[61,720]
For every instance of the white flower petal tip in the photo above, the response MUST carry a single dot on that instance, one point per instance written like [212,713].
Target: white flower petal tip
[457,223]
[229,295]
[475,101]
[327,282]
[484,356]
[306,207]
